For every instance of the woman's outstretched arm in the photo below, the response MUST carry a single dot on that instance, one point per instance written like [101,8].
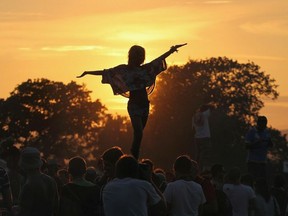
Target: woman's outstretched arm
[172,50]
[100,72]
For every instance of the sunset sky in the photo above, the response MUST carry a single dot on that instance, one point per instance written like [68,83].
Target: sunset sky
[60,39]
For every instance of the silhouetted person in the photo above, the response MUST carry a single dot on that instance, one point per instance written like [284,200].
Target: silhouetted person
[210,207]
[5,191]
[217,180]
[79,197]
[52,169]
[202,136]
[39,195]
[16,178]
[156,179]
[63,177]
[109,159]
[241,197]
[184,196]
[136,81]
[265,203]
[126,195]
[258,141]
[91,174]
[279,191]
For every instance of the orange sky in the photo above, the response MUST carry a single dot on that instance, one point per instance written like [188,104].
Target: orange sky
[60,39]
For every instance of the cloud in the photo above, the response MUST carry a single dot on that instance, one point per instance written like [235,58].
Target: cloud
[259,57]
[71,48]
[271,27]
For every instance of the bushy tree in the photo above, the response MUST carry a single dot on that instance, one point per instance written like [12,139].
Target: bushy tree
[236,89]
[58,119]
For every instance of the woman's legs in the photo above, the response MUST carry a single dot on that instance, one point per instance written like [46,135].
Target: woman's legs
[138,124]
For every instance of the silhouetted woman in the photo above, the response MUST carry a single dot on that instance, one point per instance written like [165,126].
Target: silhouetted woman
[135,81]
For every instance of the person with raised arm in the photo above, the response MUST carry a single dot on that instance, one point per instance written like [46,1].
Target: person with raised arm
[136,81]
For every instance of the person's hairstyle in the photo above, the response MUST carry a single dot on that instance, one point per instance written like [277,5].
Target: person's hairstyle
[77,166]
[160,170]
[183,164]
[149,163]
[127,166]
[112,154]
[136,55]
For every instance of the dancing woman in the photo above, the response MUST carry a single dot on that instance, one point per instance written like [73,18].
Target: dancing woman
[135,81]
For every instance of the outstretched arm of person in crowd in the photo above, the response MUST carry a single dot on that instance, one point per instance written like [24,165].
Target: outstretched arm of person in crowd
[172,50]
[99,72]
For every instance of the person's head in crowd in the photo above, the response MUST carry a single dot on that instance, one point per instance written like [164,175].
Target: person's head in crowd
[110,157]
[77,167]
[261,123]
[63,175]
[217,172]
[91,174]
[217,176]
[30,160]
[146,170]
[149,163]
[234,175]
[53,167]
[160,170]
[127,167]
[183,167]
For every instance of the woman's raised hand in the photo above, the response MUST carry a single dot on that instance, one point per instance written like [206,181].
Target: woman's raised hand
[175,47]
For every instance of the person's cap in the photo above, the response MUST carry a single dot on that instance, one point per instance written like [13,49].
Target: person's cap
[30,158]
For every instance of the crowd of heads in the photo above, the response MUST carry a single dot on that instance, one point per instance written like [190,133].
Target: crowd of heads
[115,164]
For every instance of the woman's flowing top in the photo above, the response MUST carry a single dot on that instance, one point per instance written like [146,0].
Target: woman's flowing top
[124,78]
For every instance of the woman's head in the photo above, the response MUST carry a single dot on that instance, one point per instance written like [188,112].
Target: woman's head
[136,55]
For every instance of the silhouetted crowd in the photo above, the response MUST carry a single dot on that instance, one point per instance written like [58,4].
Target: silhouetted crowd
[121,185]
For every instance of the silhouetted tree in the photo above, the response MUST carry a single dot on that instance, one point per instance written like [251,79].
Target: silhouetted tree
[235,88]
[117,132]
[58,119]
